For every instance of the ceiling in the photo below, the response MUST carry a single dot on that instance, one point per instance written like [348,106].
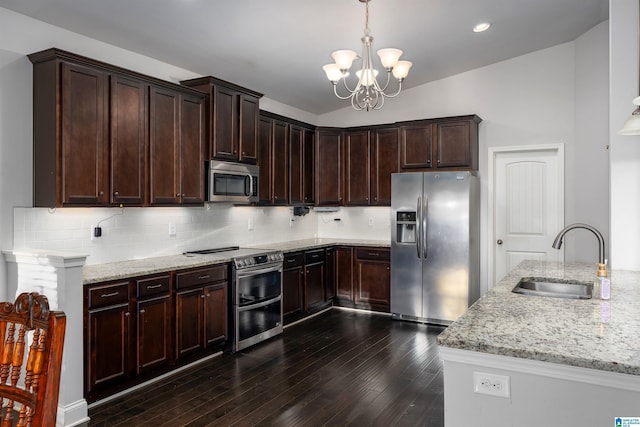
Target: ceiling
[278,47]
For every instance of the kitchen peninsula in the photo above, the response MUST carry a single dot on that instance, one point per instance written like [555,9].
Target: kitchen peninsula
[557,361]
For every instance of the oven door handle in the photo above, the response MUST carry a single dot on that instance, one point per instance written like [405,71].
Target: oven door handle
[241,274]
[261,304]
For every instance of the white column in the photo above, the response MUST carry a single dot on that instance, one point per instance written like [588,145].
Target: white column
[58,276]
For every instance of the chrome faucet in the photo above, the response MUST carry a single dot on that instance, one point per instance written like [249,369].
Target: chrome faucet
[557,243]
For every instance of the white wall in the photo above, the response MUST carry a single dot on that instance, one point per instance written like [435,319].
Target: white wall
[625,150]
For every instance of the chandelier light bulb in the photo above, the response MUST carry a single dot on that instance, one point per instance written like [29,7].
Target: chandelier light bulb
[344,58]
[333,72]
[401,69]
[389,57]
[369,77]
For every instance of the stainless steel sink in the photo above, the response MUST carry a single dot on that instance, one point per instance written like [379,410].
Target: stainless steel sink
[556,288]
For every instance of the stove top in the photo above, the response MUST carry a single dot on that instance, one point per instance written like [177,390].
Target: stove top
[242,257]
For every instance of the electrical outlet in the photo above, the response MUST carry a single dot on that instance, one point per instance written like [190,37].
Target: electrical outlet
[250,224]
[172,229]
[371,222]
[492,384]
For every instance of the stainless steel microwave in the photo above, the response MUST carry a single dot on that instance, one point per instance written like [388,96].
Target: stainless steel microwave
[229,182]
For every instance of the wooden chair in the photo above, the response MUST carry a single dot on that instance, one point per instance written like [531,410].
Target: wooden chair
[29,396]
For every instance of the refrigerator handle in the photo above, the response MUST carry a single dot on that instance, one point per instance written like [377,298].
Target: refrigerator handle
[425,214]
[418,232]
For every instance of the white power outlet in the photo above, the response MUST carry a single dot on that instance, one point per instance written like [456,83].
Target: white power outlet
[492,384]
[172,229]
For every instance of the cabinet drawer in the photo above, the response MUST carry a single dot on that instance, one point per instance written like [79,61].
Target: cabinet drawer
[115,293]
[313,257]
[293,260]
[201,276]
[373,253]
[153,286]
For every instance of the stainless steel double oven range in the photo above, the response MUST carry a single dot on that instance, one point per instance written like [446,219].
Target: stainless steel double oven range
[256,294]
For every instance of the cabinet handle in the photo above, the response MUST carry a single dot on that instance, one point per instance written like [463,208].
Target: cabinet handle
[373,254]
[142,311]
[206,276]
[112,294]
[291,260]
[159,285]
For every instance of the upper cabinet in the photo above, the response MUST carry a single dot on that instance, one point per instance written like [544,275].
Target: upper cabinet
[94,125]
[447,143]
[384,161]
[272,157]
[233,113]
[357,155]
[301,167]
[329,166]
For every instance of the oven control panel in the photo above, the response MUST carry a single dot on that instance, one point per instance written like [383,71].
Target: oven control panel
[254,260]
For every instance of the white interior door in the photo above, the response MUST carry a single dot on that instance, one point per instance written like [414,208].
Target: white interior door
[528,206]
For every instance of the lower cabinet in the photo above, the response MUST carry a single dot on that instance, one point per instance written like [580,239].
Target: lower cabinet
[344,275]
[373,278]
[136,328]
[201,309]
[293,287]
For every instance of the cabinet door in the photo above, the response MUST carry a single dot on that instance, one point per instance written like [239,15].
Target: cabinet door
[265,160]
[384,162]
[84,174]
[109,345]
[344,273]
[308,155]
[127,140]
[292,291]
[154,317]
[328,180]
[357,172]
[164,159]
[280,170]
[225,124]
[453,147]
[192,149]
[189,326]
[215,314]
[248,136]
[314,285]
[330,275]
[415,146]
[296,164]
[373,280]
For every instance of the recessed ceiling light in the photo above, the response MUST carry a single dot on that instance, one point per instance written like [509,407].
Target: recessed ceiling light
[483,26]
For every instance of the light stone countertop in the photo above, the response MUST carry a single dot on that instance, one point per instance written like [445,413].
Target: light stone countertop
[596,334]
[141,267]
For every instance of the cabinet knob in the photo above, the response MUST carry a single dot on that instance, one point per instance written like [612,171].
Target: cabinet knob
[115,193]
[101,193]
[202,296]
[208,295]
[183,194]
[177,194]
[275,197]
[127,314]
[141,311]
[243,153]
[428,161]
[366,198]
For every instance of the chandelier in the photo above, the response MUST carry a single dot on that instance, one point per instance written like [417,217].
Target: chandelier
[367,94]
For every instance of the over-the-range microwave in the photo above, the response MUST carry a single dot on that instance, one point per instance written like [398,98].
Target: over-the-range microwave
[229,182]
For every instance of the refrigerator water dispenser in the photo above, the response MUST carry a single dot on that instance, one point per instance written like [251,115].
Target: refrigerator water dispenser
[406,223]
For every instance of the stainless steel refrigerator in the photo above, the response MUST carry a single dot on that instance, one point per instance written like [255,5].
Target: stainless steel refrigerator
[435,236]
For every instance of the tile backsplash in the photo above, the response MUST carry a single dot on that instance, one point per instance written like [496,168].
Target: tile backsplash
[132,233]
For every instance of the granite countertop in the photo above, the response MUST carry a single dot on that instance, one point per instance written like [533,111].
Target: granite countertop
[593,333]
[124,269]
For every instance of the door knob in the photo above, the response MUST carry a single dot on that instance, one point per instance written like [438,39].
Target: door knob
[499,241]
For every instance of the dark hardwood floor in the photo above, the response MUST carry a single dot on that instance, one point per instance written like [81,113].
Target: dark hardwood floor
[339,368]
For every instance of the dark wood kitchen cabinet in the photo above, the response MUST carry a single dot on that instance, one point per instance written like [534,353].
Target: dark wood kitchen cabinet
[446,143]
[357,187]
[273,144]
[91,132]
[330,276]
[293,287]
[385,160]
[314,280]
[372,279]
[200,309]
[233,114]
[177,133]
[301,167]
[329,167]
[153,315]
[344,275]
[108,350]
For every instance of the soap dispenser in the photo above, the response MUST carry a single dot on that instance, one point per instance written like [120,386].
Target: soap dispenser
[602,284]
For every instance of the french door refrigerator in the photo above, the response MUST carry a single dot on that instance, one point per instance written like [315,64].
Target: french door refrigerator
[435,236]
